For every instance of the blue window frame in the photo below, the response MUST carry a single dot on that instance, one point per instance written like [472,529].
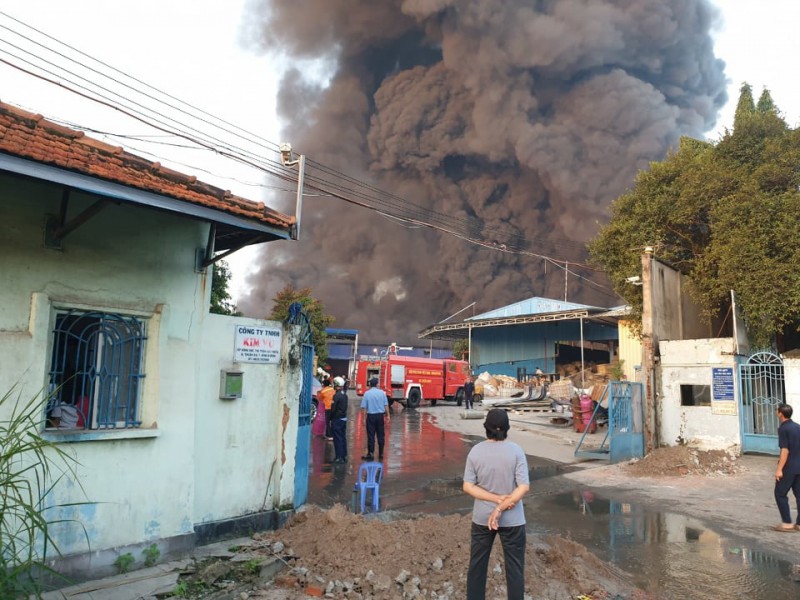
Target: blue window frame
[96,370]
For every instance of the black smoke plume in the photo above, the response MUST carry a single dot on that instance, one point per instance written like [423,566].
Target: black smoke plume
[532,115]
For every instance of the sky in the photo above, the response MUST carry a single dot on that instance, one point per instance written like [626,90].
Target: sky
[203,52]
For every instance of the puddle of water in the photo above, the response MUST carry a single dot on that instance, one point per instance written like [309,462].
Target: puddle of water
[423,466]
[673,556]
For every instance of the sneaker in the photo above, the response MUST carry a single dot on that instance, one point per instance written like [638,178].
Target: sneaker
[368,457]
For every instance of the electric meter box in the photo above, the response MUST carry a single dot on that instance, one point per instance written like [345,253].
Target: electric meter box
[230,384]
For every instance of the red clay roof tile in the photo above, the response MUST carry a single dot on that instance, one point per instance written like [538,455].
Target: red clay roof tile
[31,136]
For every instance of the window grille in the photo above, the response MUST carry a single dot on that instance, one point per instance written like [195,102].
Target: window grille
[95,371]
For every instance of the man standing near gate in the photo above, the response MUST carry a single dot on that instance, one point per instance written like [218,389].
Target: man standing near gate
[374,405]
[787,474]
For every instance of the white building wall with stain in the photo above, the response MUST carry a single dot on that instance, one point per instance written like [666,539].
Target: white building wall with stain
[242,465]
[690,362]
[135,484]
[791,372]
[194,457]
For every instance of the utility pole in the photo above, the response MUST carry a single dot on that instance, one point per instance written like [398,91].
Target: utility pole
[288,161]
[649,348]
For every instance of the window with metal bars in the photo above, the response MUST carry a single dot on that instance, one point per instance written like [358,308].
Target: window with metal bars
[96,370]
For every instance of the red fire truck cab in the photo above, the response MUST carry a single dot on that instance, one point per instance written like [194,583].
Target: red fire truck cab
[410,380]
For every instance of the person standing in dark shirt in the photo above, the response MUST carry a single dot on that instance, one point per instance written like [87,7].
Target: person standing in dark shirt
[787,474]
[469,393]
[339,421]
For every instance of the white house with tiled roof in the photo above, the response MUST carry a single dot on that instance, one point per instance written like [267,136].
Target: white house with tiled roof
[184,423]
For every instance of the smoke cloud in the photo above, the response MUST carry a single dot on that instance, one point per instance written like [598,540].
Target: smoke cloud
[527,114]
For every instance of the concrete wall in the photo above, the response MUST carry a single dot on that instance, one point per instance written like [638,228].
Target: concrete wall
[791,371]
[242,460]
[195,458]
[689,362]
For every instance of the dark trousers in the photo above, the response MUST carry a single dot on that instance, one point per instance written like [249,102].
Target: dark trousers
[468,401]
[328,429]
[375,429]
[339,429]
[782,487]
[513,540]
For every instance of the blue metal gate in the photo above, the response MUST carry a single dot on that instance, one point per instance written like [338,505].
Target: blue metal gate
[298,317]
[624,438]
[761,390]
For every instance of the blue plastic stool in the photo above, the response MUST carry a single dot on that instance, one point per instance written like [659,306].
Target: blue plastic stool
[369,478]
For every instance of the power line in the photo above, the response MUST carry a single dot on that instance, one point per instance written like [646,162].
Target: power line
[243,132]
[504,238]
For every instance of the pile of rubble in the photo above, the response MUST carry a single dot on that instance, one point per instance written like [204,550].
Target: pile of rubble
[338,554]
[684,460]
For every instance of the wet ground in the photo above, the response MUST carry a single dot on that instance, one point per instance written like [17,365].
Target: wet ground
[666,553]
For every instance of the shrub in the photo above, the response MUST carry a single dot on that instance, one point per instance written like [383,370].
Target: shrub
[30,467]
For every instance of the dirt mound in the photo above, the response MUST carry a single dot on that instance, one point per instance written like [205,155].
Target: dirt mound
[683,460]
[343,555]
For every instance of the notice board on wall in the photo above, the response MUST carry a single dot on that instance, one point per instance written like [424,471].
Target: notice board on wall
[723,397]
[257,344]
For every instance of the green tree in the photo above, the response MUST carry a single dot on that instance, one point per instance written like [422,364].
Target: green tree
[315,310]
[660,211]
[765,103]
[746,107]
[221,301]
[461,349]
[724,214]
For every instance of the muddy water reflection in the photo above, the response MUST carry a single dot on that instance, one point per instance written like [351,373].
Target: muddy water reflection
[672,556]
[423,464]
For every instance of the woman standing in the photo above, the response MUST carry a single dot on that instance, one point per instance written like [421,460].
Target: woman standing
[496,475]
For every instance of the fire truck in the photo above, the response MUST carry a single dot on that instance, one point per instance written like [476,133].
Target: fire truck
[410,380]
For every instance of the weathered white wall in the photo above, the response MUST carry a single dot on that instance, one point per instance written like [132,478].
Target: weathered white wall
[195,458]
[791,371]
[125,259]
[689,362]
[242,464]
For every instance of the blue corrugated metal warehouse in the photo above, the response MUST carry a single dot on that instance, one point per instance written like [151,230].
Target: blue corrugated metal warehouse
[534,333]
